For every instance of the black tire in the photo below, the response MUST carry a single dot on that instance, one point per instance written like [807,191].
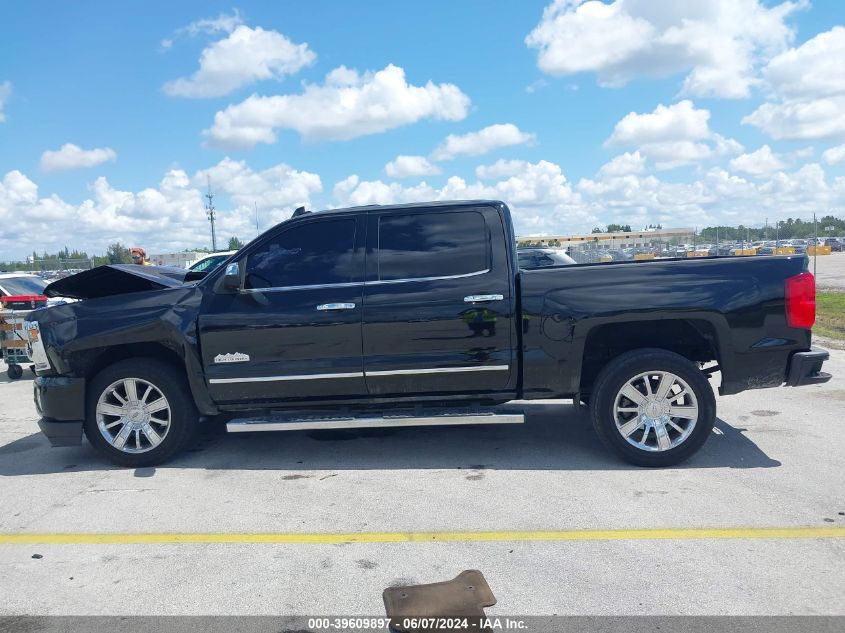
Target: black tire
[14,372]
[171,383]
[613,378]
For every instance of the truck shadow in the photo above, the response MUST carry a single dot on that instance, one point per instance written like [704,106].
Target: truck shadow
[554,437]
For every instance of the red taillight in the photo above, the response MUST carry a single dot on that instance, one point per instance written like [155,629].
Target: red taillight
[801,301]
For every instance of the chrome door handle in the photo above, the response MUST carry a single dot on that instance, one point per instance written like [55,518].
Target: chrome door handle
[336,306]
[481,298]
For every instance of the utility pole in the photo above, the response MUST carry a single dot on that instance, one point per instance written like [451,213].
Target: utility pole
[255,204]
[209,211]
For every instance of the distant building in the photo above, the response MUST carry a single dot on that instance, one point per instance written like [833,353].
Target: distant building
[622,239]
[179,260]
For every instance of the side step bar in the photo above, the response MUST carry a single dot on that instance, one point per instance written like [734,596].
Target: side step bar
[302,423]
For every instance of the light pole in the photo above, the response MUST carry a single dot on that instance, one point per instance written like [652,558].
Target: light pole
[209,211]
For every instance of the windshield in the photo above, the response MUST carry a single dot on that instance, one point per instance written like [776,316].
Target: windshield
[20,286]
[209,263]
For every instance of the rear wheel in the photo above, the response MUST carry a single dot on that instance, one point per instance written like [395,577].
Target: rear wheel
[14,372]
[140,412]
[653,407]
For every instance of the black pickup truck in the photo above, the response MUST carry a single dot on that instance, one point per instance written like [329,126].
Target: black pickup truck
[414,315]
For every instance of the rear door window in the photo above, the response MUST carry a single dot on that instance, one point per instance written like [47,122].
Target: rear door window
[422,245]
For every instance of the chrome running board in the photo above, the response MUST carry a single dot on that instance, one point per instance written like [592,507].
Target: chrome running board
[303,422]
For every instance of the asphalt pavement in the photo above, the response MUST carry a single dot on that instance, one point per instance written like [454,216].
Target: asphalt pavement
[243,524]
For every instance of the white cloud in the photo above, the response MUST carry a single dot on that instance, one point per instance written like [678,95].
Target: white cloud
[223,23]
[538,193]
[834,155]
[716,198]
[720,43]
[801,120]
[500,169]
[72,156]
[672,135]
[536,85]
[758,163]
[167,217]
[484,140]
[624,164]
[245,56]
[681,121]
[276,190]
[808,86]
[813,69]
[347,105]
[408,166]
[5,93]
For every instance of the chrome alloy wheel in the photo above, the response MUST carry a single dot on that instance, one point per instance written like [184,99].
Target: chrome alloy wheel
[133,415]
[655,411]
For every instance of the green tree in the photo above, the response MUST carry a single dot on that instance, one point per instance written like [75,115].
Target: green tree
[618,228]
[117,253]
[235,244]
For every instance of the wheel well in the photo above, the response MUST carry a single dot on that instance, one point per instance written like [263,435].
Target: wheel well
[693,339]
[116,353]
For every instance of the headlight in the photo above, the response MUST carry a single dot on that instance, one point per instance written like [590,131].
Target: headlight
[36,346]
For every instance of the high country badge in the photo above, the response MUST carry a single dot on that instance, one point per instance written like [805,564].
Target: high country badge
[237,357]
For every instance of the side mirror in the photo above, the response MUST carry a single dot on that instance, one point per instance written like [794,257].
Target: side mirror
[232,277]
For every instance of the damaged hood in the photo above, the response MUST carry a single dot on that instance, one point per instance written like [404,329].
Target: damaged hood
[116,279]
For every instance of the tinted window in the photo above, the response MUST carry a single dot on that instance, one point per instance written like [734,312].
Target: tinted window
[314,253]
[20,286]
[209,263]
[524,260]
[431,245]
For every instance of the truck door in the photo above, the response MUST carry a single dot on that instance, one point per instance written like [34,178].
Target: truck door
[438,310]
[294,331]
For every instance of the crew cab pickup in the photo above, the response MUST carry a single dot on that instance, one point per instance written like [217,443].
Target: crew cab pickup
[414,315]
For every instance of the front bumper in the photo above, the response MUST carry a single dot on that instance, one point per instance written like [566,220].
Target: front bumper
[61,433]
[805,368]
[60,401]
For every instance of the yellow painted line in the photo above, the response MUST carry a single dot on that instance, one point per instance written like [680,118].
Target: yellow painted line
[424,537]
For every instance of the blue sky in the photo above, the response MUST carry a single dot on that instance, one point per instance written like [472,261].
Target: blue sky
[538,103]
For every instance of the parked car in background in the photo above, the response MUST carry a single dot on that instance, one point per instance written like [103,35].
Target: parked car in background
[210,262]
[834,243]
[25,291]
[800,246]
[767,248]
[530,258]
[619,255]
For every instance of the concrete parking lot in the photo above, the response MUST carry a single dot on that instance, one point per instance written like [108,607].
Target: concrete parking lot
[830,271]
[538,492]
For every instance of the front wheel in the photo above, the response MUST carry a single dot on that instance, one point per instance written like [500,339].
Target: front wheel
[140,412]
[653,407]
